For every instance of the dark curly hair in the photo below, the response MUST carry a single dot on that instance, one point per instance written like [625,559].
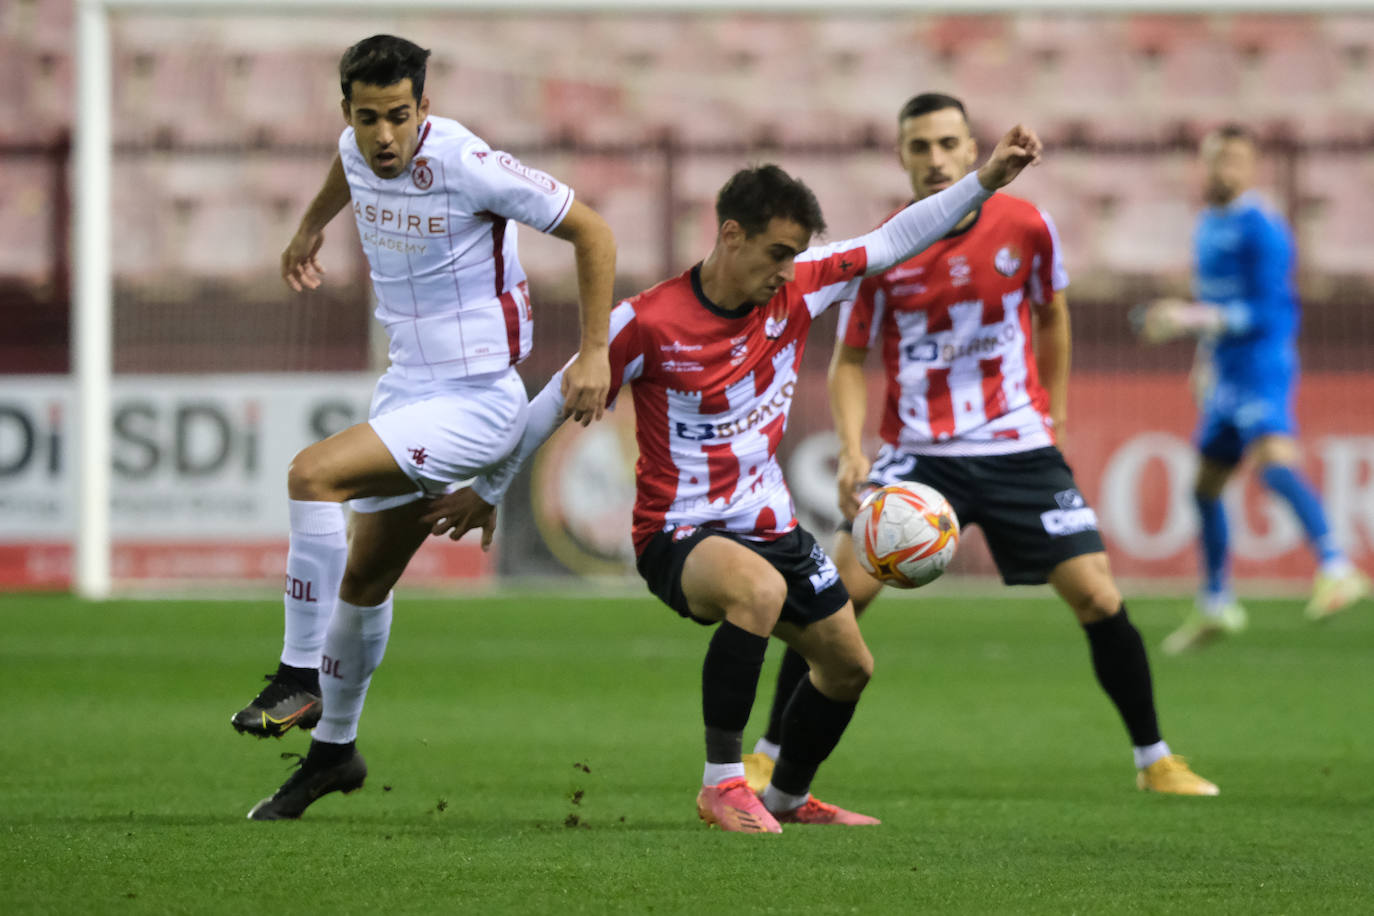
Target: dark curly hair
[383,60]
[753,197]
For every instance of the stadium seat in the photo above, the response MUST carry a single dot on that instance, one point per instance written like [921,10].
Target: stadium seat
[285,97]
[1076,67]
[146,78]
[48,25]
[1335,228]
[26,214]
[581,109]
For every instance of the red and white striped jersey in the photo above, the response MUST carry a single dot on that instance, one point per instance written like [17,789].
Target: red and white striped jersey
[439,238]
[954,325]
[712,391]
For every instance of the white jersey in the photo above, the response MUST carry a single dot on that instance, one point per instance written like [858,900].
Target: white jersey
[450,290]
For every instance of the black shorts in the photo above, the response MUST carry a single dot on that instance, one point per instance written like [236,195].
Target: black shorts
[1027,504]
[814,589]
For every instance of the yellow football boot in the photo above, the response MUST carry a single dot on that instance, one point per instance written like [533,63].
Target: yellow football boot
[1333,594]
[758,770]
[1171,776]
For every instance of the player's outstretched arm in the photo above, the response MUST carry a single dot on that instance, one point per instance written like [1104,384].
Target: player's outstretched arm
[1169,319]
[919,225]
[1264,303]
[1018,148]
[587,379]
[300,267]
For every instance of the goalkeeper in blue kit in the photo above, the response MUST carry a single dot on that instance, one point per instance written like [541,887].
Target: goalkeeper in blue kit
[1246,373]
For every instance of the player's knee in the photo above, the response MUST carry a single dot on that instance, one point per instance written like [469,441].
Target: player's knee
[366,587]
[758,600]
[1212,477]
[1208,484]
[859,672]
[1098,601]
[767,594]
[1274,450]
[845,677]
[1206,491]
[306,478]
[1086,585]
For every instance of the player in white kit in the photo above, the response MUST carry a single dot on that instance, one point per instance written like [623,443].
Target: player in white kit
[435,208]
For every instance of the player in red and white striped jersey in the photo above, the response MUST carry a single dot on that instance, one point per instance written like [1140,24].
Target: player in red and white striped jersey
[711,360]
[973,409]
[436,209]
[954,328]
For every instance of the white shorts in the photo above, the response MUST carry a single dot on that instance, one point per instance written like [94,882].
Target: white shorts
[445,431]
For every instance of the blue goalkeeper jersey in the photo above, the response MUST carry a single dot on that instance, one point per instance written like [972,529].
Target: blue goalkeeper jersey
[1244,263]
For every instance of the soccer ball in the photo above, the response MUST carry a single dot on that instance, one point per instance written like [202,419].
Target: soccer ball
[905,534]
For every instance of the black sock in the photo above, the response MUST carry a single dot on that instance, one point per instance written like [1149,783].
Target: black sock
[790,673]
[324,754]
[729,680]
[309,678]
[1123,670]
[812,726]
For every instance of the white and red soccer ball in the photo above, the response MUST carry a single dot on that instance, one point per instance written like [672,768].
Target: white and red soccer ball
[905,534]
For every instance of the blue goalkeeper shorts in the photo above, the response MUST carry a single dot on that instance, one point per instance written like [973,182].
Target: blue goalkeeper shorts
[1226,430]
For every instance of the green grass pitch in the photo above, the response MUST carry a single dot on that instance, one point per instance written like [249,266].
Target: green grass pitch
[541,753]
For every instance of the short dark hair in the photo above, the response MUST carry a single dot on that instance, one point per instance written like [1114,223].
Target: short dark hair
[1234,130]
[383,60]
[927,102]
[753,197]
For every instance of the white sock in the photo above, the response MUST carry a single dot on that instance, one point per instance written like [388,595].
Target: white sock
[779,802]
[1336,567]
[353,649]
[314,567]
[1212,604]
[1149,753]
[767,748]
[717,773]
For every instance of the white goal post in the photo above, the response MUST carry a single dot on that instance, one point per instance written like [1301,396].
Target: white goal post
[92,337]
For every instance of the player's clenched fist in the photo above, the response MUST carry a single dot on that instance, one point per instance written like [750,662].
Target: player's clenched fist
[1018,148]
[586,382]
